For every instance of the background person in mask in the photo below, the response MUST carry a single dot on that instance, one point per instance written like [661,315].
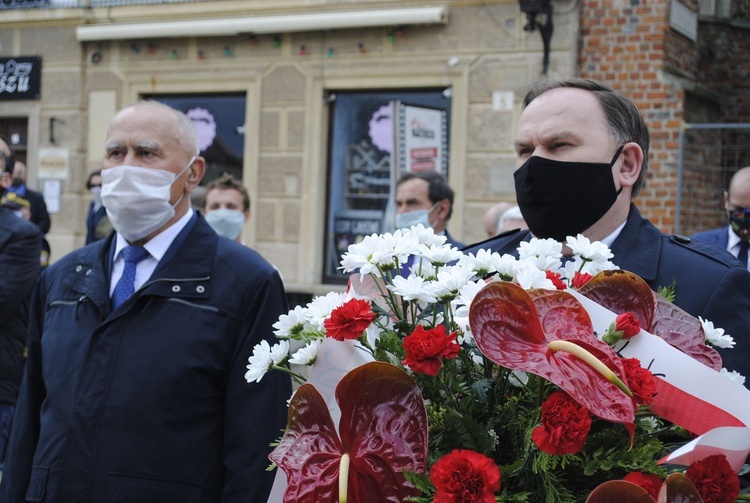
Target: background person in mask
[98,225]
[735,236]
[20,246]
[582,154]
[26,202]
[425,198]
[227,207]
[134,385]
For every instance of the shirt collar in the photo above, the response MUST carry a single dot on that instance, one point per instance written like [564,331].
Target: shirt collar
[158,245]
[611,238]
[733,239]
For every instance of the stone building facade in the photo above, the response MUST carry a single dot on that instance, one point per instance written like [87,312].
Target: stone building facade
[476,53]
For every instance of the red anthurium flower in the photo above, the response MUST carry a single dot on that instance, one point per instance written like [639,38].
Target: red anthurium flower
[650,482]
[465,476]
[425,349]
[515,331]
[565,425]
[640,381]
[580,279]
[555,278]
[383,430]
[349,320]
[622,291]
[714,478]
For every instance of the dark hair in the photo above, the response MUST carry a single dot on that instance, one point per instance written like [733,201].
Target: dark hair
[626,123]
[10,160]
[227,181]
[437,189]
[92,175]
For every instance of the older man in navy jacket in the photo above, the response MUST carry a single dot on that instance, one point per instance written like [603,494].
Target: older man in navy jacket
[134,389]
[582,154]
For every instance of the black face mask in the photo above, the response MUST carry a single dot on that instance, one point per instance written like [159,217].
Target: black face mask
[739,221]
[17,182]
[560,199]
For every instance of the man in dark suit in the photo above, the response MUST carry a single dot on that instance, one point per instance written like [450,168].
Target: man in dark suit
[134,386]
[734,237]
[582,154]
[29,203]
[425,198]
[20,244]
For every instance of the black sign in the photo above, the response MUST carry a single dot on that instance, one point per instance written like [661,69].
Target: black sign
[21,78]
[23,4]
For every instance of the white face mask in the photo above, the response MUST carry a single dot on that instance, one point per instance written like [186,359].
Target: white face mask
[226,222]
[137,198]
[412,218]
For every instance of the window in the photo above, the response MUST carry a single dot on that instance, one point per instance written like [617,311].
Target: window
[376,136]
[219,121]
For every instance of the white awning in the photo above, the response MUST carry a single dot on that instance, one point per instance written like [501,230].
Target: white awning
[265,24]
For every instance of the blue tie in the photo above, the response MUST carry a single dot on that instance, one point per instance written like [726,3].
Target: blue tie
[124,288]
[742,255]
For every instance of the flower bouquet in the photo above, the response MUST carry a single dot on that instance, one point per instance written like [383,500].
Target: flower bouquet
[489,381]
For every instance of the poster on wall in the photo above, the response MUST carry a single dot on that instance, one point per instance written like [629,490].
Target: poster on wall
[21,78]
[422,139]
[363,163]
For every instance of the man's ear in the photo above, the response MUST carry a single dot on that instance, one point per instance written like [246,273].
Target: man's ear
[196,172]
[726,200]
[631,164]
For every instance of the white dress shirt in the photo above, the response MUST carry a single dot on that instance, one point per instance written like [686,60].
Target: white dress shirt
[156,247]
[733,244]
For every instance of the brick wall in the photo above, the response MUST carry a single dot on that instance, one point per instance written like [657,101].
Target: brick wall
[626,44]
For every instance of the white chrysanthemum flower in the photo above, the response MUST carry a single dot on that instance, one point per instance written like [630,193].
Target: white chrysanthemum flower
[279,352]
[307,354]
[504,265]
[584,248]
[543,253]
[426,235]
[422,268]
[442,255]
[450,281]
[291,323]
[482,264]
[360,255]
[530,277]
[577,264]
[259,363]
[733,375]
[320,309]
[648,423]
[462,304]
[716,336]
[413,288]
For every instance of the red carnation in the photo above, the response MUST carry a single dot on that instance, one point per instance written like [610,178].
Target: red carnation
[714,478]
[555,278]
[465,477]
[565,425]
[426,348]
[640,381]
[580,279]
[650,482]
[349,320]
[627,323]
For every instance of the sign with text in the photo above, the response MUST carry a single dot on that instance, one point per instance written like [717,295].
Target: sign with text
[21,78]
[422,135]
[54,163]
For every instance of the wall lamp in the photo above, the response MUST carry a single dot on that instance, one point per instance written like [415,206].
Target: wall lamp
[532,8]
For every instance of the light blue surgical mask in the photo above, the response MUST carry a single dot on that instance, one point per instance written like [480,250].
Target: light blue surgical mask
[412,218]
[226,222]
